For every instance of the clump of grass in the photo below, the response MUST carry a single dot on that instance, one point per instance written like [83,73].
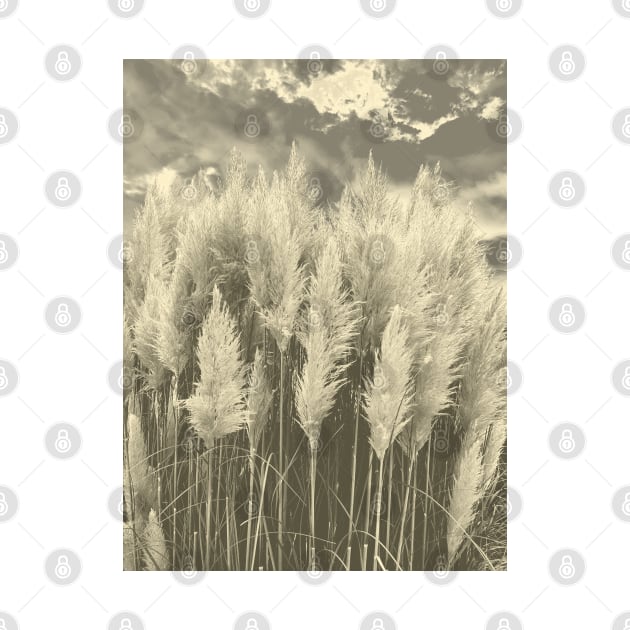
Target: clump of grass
[257,323]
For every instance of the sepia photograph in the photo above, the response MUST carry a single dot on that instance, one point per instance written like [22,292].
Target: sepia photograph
[315,314]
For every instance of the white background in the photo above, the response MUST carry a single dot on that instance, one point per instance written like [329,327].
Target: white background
[63,378]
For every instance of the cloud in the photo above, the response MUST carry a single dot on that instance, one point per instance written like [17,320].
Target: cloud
[492,108]
[489,202]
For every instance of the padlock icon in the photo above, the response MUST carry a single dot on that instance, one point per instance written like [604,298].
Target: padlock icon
[63,570]
[625,506]
[251,253]
[440,64]
[378,504]
[63,192]
[625,128]
[252,5]
[188,570]
[377,252]
[126,128]
[504,5]
[504,624]
[126,5]
[315,190]
[4,128]
[315,62]
[4,254]
[252,128]
[4,506]
[62,64]
[567,189]
[625,254]
[567,316]
[567,441]
[378,380]
[567,568]
[625,380]
[377,624]
[125,624]
[441,318]
[441,440]
[188,190]
[62,318]
[567,63]
[315,569]
[377,128]
[251,624]
[378,5]
[252,504]
[4,379]
[189,65]
[504,253]
[504,128]
[314,317]
[63,443]
[441,569]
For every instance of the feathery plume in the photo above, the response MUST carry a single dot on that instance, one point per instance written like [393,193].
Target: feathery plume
[326,336]
[464,494]
[259,397]
[388,394]
[481,395]
[494,448]
[141,473]
[174,341]
[154,551]
[217,407]
[129,561]
[277,288]
[146,333]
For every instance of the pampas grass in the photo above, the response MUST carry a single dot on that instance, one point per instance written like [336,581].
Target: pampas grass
[327,332]
[388,398]
[217,407]
[282,360]
[388,392]
[154,551]
[328,329]
[464,495]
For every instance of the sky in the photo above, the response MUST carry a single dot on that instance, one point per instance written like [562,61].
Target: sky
[408,112]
